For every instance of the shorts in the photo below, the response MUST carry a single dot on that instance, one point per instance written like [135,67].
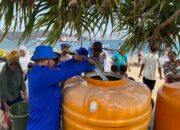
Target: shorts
[149,83]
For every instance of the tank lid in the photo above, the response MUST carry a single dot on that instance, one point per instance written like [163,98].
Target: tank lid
[114,79]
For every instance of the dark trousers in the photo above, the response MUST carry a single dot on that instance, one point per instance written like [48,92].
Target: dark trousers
[149,83]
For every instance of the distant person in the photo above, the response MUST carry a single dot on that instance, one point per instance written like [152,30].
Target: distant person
[98,55]
[90,50]
[82,52]
[65,53]
[107,62]
[120,58]
[140,56]
[164,58]
[12,82]
[171,68]
[149,66]
[24,59]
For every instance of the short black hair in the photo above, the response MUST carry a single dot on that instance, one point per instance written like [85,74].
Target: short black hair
[58,56]
[122,68]
[153,47]
[114,68]
[30,65]
[95,44]
[172,52]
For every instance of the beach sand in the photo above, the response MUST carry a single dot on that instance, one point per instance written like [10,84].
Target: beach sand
[134,73]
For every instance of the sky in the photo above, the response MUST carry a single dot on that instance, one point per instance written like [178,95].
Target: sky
[108,32]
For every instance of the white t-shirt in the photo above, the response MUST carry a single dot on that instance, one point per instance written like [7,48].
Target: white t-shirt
[107,62]
[151,63]
[24,62]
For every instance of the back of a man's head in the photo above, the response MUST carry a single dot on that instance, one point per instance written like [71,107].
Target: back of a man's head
[97,45]
[153,48]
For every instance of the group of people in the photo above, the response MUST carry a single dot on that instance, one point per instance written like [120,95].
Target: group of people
[46,72]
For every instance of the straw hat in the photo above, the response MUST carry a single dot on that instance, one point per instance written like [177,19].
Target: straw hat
[12,56]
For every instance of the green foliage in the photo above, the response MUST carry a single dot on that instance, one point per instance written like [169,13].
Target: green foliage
[141,19]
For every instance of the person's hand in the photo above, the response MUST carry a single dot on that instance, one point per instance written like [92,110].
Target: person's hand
[7,108]
[140,75]
[103,55]
[92,61]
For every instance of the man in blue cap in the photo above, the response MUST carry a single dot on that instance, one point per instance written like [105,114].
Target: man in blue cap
[82,51]
[65,53]
[44,90]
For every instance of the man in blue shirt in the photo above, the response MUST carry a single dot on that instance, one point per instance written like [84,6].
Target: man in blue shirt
[44,90]
[120,58]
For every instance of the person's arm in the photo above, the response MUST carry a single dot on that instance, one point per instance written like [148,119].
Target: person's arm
[141,69]
[53,76]
[25,94]
[127,63]
[160,72]
[160,69]
[6,107]
[166,69]
[67,63]
[71,53]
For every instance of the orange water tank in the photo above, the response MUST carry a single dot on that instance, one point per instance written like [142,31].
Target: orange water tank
[167,115]
[91,104]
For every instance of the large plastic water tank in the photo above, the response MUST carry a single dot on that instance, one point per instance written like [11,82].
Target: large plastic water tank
[93,104]
[167,115]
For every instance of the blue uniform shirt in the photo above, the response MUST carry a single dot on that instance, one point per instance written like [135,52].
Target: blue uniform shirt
[45,93]
[120,59]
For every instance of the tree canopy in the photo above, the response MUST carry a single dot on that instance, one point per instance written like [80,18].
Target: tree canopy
[154,21]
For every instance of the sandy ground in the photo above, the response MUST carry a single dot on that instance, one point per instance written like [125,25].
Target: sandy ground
[134,73]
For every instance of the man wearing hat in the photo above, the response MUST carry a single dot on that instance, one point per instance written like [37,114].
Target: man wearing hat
[82,51]
[98,55]
[65,53]
[44,90]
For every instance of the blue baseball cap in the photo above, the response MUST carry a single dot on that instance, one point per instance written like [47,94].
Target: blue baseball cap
[43,52]
[82,51]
